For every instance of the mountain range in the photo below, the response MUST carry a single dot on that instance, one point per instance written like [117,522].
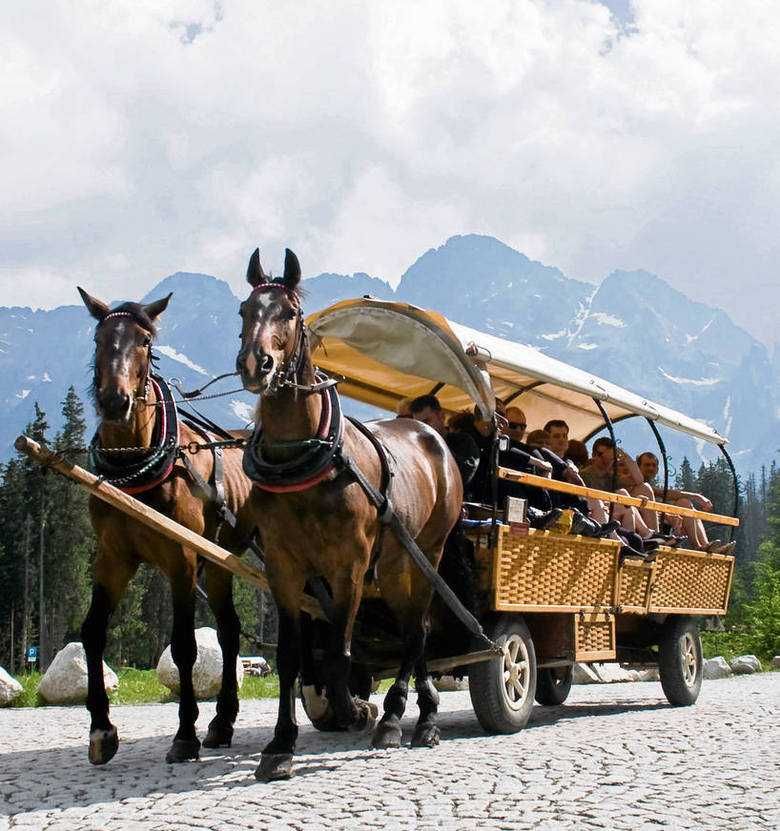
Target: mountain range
[633,329]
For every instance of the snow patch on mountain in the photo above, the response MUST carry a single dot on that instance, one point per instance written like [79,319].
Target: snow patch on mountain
[727,416]
[587,346]
[689,339]
[696,382]
[554,335]
[171,353]
[604,319]
[23,394]
[46,378]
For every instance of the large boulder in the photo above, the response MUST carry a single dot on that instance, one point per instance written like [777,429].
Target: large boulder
[10,688]
[65,681]
[614,673]
[448,683]
[715,668]
[745,665]
[207,672]
[776,662]
[584,674]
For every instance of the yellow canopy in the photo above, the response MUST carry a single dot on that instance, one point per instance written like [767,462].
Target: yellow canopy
[388,351]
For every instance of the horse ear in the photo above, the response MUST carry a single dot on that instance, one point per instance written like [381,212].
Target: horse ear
[254,272]
[292,270]
[97,308]
[154,310]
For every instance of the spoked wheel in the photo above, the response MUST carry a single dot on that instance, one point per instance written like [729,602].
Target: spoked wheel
[680,661]
[502,689]
[553,686]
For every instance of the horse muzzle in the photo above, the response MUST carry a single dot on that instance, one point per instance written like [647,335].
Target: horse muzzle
[256,369]
[116,406]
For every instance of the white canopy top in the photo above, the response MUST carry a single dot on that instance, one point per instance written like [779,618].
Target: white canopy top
[389,351]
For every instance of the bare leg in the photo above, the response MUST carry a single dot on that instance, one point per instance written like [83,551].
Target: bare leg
[649,517]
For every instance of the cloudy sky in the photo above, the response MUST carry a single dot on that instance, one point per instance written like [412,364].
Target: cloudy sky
[141,138]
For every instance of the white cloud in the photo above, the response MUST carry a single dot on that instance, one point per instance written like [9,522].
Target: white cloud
[142,138]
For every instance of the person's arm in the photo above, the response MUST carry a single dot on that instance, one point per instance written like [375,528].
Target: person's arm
[633,468]
[698,499]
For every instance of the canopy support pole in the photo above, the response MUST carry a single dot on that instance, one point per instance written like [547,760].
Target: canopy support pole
[730,463]
[662,448]
[611,429]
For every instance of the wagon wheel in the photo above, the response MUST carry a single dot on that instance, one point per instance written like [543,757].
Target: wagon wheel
[680,661]
[553,686]
[502,689]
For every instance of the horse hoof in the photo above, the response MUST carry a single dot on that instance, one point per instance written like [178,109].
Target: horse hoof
[274,766]
[219,735]
[386,736]
[183,750]
[103,745]
[366,717]
[427,735]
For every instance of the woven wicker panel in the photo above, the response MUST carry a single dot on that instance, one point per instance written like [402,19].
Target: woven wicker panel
[595,636]
[549,570]
[634,580]
[691,580]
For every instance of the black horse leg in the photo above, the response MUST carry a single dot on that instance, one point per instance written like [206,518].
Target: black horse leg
[110,582]
[184,651]
[426,732]
[276,761]
[219,586]
[388,732]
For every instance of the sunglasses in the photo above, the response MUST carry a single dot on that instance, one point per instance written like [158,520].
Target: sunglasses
[516,425]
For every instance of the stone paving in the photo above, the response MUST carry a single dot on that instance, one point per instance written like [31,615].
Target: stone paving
[616,756]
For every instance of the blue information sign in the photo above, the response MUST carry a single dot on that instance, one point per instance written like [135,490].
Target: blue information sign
[32,654]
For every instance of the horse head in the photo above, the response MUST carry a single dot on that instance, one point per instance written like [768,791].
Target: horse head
[272,331]
[123,344]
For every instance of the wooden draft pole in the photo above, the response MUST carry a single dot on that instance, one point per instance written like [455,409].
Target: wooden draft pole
[152,518]
[638,502]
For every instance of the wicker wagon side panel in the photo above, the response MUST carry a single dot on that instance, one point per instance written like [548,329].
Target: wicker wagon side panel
[634,585]
[544,571]
[690,581]
[595,637]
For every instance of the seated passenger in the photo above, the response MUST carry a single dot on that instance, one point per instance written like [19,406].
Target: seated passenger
[516,423]
[692,527]
[558,431]
[577,452]
[403,408]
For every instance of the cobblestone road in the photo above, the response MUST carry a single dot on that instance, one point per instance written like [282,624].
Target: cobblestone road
[615,756]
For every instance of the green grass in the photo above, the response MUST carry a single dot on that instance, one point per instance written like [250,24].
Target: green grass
[731,645]
[141,686]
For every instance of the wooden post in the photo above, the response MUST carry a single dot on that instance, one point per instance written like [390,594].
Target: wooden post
[152,519]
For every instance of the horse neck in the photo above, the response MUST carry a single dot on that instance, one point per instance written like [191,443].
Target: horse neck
[138,432]
[290,414]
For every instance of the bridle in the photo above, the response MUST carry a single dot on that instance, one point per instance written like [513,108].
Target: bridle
[288,375]
[142,391]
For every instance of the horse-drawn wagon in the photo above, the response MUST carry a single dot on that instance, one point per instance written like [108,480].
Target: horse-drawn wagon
[532,603]
[547,599]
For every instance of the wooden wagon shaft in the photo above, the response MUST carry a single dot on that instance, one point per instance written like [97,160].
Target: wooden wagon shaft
[151,518]
[592,493]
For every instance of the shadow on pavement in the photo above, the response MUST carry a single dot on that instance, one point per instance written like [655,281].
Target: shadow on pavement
[61,777]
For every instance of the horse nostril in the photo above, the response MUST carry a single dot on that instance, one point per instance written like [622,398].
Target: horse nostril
[266,364]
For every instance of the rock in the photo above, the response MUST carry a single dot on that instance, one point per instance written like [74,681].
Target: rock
[650,674]
[745,665]
[715,668]
[614,673]
[448,683]
[584,674]
[776,662]
[10,688]
[65,681]
[207,672]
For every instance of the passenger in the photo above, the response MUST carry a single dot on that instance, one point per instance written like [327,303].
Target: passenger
[692,527]
[516,423]
[538,438]
[558,430]
[577,452]
[426,408]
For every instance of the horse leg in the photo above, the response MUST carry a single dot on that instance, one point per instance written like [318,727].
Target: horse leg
[388,732]
[350,714]
[426,732]
[111,579]
[184,651]
[276,761]
[219,585]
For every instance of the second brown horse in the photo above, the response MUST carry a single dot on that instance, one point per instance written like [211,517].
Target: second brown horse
[327,528]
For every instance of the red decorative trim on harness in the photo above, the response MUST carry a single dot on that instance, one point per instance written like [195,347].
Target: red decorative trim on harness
[306,484]
[134,489]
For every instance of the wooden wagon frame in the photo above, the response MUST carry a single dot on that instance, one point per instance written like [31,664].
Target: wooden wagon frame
[547,599]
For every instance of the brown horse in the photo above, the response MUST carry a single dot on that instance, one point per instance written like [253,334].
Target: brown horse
[130,404]
[324,526]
